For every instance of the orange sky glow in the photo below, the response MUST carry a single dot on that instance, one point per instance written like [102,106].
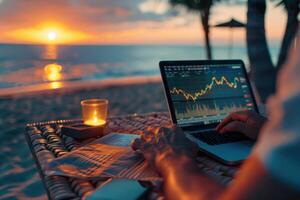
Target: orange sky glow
[119,22]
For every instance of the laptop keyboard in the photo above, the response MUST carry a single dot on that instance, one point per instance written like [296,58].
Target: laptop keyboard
[212,137]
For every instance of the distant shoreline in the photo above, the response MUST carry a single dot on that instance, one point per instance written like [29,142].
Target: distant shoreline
[76,85]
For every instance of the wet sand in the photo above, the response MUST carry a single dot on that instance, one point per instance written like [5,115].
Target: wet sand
[18,175]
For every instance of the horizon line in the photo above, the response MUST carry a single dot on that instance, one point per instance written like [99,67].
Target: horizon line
[225,43]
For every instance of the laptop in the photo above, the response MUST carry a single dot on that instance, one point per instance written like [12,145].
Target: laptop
[200,95]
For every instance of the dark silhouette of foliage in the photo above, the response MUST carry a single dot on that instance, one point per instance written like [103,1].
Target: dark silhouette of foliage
[264,70]
[203,7]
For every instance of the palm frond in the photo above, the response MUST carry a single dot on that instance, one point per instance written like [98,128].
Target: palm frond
[193,5]
[287,3]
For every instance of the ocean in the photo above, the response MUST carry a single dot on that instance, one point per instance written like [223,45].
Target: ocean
[24,65]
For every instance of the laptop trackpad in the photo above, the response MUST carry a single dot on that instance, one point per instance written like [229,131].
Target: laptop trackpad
[230,153]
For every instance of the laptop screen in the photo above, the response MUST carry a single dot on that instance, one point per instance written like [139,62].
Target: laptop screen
[206,94]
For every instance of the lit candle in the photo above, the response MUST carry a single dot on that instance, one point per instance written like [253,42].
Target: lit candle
[94,112]
[95,122]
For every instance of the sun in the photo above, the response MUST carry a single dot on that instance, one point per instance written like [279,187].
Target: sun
[52,35]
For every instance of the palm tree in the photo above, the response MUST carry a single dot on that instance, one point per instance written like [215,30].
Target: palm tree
[292,10]
[264,71]
[203,7]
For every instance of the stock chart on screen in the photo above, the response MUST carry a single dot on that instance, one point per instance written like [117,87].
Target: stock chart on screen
[207,94]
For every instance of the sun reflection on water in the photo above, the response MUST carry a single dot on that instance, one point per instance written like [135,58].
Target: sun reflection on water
[56,85]
[53,73]
[50,52]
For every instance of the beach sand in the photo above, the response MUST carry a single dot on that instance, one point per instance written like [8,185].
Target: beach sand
[18,175]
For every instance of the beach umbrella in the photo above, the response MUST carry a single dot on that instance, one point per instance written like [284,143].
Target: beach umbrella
[231,24]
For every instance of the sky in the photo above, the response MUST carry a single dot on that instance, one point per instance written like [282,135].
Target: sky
[120,22]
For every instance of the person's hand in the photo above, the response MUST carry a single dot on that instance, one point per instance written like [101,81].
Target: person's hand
[163,148]
[246,122]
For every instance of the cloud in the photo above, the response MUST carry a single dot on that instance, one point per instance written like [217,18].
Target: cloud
[79,13]
[156,7]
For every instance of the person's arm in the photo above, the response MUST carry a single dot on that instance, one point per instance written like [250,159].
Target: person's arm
[185,181]
[255,182]
[172,155]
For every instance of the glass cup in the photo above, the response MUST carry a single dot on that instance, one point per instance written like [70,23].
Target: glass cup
[94,111]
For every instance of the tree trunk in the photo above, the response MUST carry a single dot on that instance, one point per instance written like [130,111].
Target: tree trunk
[205,24]
[264,72]
[291,29]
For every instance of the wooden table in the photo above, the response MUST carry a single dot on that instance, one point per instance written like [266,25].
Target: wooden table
[46,143]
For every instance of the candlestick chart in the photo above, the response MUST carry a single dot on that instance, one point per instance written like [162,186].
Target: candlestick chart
[208,95]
